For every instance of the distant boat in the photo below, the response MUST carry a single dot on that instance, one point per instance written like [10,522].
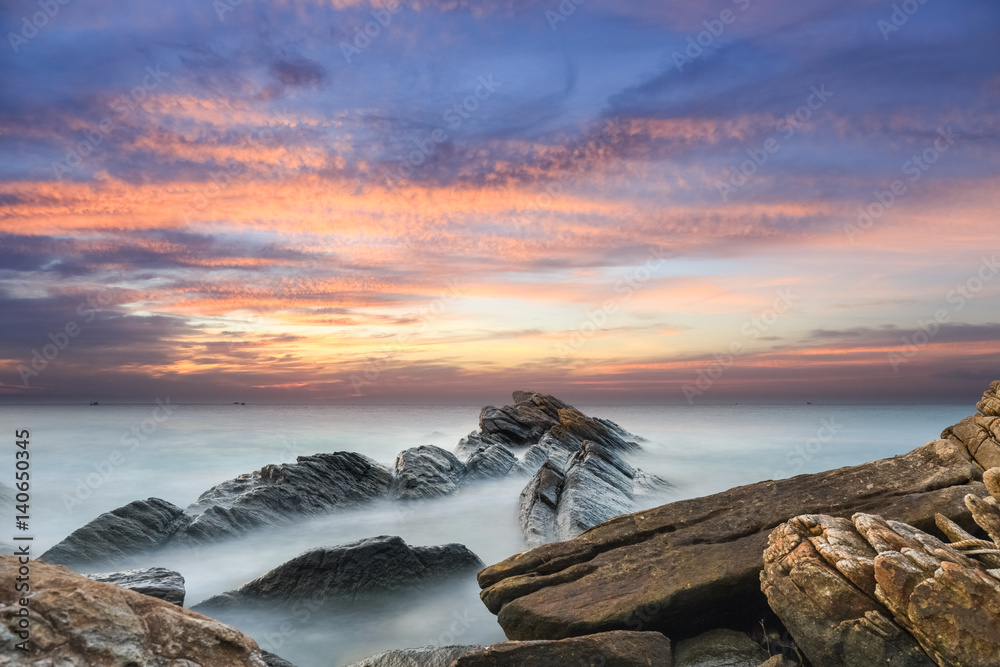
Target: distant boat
[94,403]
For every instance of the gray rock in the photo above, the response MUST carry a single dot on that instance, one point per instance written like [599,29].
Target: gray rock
[426,472]
[538,503]
[157,582]
[274,661]
[647,484]
[117,536]
[473,443]
[597,486]
[426,656]
[351,572]
[491,462]
[533,458]
[313,485]
[719,648]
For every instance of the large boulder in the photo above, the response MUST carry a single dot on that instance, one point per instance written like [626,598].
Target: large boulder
[426,472]
[538,505]
[989,406]
[157,582]
[691,566]
[313,485]
[597,486]
[614,649]
[491,462]
[425,656]
[78,621]
[117,536]
[350,572]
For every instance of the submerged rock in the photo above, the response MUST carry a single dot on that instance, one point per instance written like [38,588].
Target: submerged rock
[350,572]
[77,621]
[620,649]
[157,582]
[426,656]
[117,536]
[312,485]
[426,472]
[693,565]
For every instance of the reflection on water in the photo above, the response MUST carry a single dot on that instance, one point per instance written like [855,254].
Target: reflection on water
[702,449]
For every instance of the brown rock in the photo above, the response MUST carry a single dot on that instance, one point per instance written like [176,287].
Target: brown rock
[819,579]
[719,648]
[75,620]
[981,438]
[693,565]
[989,406]
[606,649]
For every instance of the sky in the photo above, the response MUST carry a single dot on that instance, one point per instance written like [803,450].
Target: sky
[307,201]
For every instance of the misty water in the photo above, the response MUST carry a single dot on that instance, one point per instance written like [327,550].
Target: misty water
[87,461]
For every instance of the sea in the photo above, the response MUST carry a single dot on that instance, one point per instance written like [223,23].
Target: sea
[86,460]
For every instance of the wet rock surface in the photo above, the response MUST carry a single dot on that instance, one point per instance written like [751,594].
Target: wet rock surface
[351,572]
[157,582]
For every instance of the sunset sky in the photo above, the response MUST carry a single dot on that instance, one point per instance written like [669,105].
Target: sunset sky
[336,201]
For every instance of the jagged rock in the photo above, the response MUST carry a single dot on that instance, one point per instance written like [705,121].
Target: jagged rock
[157,582]
[426,656]
[313,485]
[719,648]
[77,621]
[275,661]
[472,443]
[602,431]
[426,472]
[989,406]
[116,536]
[647,484]
[614,649]
[492,462]
[693,565]
[597,486]
[538,504]
[515,426]
[819,578]
[533,459]
[980,436]
[350,572]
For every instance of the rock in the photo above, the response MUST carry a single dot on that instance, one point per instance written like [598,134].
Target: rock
[157,582]
[77,621]
[597,486]
[614,649]
[533,459]
[350,572]
[472,443]
[514,426]
[778,661]
[646,484]
[690,566]
[980,436]
[427,656]
[538,503]
[274,661]
[819,579]
[492,462]
[719,648]
[314,485]
[426,472]
[989,406]
[117,536]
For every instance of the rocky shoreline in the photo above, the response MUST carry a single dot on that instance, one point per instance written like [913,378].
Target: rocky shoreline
[893,562]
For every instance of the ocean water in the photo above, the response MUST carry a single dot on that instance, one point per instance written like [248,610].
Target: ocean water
[87,460]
